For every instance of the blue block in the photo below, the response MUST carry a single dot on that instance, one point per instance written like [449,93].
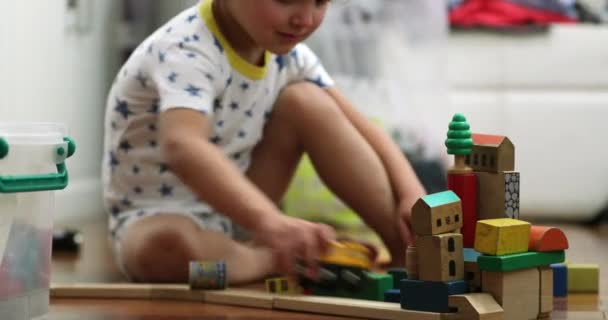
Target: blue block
[392,295]
[560,279]
[470,255]
[429,296]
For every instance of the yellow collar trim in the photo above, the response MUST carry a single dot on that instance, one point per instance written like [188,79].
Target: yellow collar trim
[239,64]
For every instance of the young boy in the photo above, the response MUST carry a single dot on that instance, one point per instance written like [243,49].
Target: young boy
[205,125]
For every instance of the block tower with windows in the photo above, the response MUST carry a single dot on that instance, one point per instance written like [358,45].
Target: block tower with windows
[473,255]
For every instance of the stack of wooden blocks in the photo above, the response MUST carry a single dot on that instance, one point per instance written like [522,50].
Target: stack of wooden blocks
[515,268]
[511,260]
[437,269]
[474,258]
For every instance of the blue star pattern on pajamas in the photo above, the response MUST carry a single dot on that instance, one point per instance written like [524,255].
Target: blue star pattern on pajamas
[166,190]
[172,77]
[142,79]
[185,65]
[217,43]
[122,107]
[194,91]
[125,146]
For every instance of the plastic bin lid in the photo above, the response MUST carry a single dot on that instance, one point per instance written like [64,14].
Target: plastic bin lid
[32,132]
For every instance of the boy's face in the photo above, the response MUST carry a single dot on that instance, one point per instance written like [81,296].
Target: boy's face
[278,25]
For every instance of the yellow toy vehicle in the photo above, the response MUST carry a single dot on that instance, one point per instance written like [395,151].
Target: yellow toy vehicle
[344,265]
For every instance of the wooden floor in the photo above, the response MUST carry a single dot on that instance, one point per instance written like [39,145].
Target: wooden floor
[94,264]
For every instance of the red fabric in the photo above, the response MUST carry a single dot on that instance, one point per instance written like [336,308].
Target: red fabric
[464,186]
[501,13]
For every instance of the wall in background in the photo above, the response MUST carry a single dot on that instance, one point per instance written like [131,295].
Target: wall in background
[167,9]
[549,93]
[56,66]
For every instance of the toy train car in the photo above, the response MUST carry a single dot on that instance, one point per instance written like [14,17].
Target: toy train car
[343,267]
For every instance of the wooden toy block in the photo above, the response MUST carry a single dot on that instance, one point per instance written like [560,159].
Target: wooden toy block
[398,274]
[474,306]
[372,286]
[472,274]
[560,279]
[502,236]
[491,153]
[375,286]
[583,277]
[465,186]
[440,257]
[280,285]
[429,296]
[459,143]
[208,275]
[519,261]
[516,291]
[546,290]
[470,255]
[411,262]
[498,195]
[351,308]
[437,213]
[393,295]
[544,239]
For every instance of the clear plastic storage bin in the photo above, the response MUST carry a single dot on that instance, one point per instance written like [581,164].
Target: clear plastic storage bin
[32,166]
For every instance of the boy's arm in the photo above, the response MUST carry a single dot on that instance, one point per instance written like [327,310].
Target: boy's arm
[405,183]
[184,140]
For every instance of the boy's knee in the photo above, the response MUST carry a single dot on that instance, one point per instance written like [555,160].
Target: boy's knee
[156,252]
[302,100]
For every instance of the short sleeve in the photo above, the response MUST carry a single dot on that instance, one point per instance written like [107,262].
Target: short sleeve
[186,78]
[304,65]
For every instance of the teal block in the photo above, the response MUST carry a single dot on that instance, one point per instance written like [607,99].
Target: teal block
[519,261]
[470,255]
[398,275]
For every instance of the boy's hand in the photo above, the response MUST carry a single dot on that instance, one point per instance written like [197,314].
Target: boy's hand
[293,239]
[403,216]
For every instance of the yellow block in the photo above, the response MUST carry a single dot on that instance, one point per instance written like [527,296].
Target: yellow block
[502,236]
[583,277]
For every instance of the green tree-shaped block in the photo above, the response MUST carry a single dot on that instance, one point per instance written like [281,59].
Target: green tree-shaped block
[459,140]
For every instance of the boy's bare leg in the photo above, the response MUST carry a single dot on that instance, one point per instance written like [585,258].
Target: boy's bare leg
[307,119]
[159,249]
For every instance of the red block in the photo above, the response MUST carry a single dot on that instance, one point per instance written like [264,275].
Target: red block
[544,239]
[465,187]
